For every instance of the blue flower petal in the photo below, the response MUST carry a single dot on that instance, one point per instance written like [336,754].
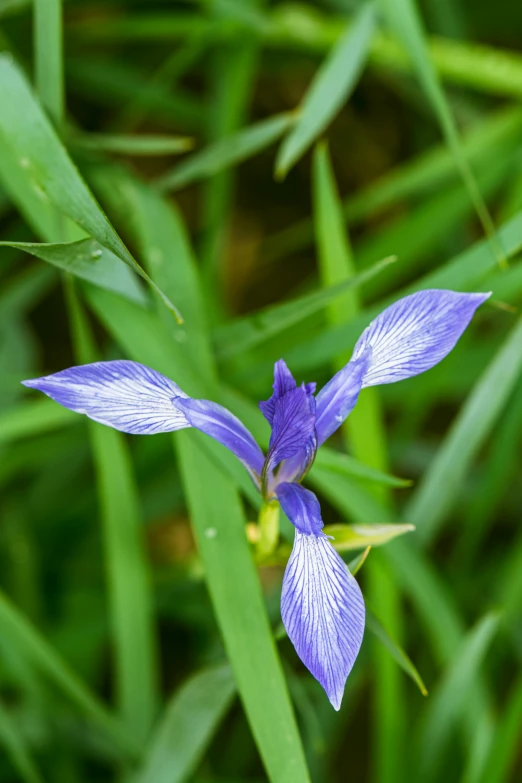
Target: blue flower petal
[323,612]
[284,382]
[337,399]
[300,506]
[415,333]
[293,426]
[220,424]
[122,394]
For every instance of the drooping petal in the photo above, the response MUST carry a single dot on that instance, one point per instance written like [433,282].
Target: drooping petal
[415,333]
[323,612]
[301,507]
[218,422]
[337,399]
[293,425]
[122,394]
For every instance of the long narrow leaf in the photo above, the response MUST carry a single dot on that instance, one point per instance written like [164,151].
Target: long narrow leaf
[29,134]
[436,492]
[226,152]
[330,88]
[190,719]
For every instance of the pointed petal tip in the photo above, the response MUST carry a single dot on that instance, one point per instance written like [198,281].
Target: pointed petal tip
[335,700]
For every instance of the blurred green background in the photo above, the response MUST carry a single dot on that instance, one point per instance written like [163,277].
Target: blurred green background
[255,156]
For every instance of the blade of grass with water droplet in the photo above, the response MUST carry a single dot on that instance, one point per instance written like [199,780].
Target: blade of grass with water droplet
[40,153]
[88,260]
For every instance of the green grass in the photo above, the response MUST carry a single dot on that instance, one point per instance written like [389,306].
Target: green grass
[330,158]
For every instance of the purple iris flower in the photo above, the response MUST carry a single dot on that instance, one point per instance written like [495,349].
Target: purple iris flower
[321,604]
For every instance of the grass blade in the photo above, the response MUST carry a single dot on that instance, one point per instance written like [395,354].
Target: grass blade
[15,748]
[436,491]
[404,17]
[88,260]
[450,697]
[39,152]
[129,588]
[127,570]
[226,152]
[128,144]
[330,88]
[48,49]
[190,719]
[219,524]
[32,418]
[245,333]
[374,625]
[337,462]
[26,639]
[506,742]
[414,179]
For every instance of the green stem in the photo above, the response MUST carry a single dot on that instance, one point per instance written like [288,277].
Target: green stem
[268,521]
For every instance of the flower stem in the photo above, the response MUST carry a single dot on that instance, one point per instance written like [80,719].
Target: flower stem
[268,521]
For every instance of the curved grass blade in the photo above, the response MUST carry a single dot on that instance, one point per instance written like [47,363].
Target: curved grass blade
[226,152]
[337,462]
[14,746]
[436,491]
[374,625]
[128,144]
[29,643]
[417,177]
[330,88]
[245,333]
[219,525]
[506,741]
[40,153]
[187,726]
[404,17]
[450,697]
[468,271]
[88,260]
[33,418]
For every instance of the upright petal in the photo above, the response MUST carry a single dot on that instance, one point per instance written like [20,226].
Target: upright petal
[293,425]
[323,612]
[218,422]
[122,394]
[284,382]
[415,333]
[337,399]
